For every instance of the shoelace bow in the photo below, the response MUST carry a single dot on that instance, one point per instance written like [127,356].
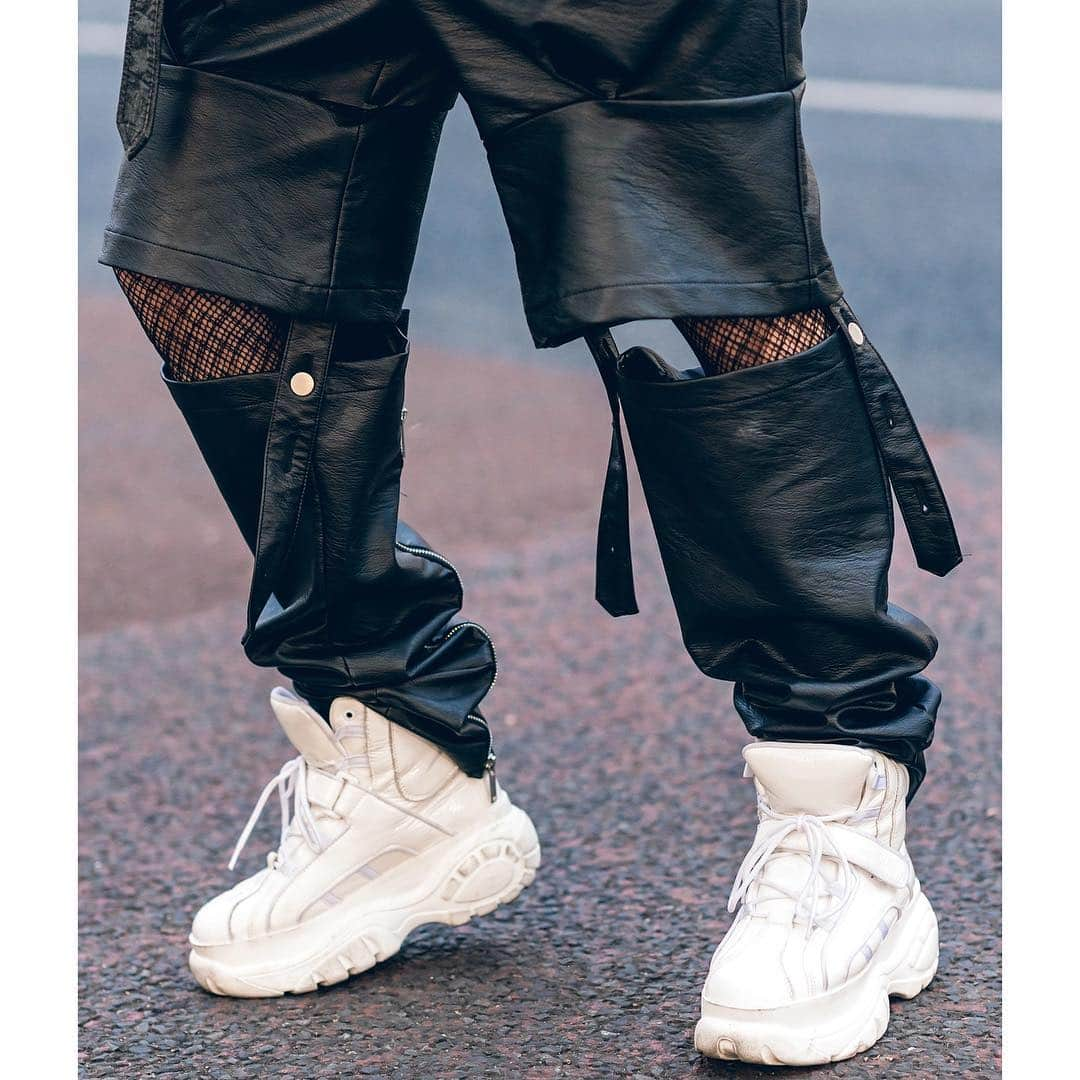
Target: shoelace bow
[819,845]
[290,782]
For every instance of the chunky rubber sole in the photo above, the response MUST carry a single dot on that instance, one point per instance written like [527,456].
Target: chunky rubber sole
[838,1024]
[476,873]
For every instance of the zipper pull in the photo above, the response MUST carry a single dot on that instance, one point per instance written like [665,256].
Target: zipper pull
[489,770]
[401,438]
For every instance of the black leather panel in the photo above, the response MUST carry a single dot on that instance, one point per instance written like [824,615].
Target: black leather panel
[264,196]
[345,597]
[772,510]
[631,209]
[648,157]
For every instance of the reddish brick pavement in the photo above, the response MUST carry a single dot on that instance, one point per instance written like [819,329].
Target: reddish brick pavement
[624,754]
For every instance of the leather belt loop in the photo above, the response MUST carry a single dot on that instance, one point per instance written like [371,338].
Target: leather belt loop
[290,446]
[140,75]
[903,453]
[614,566]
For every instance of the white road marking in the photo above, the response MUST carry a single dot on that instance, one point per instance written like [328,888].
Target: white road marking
[838,95]
[101,38]
[903,99]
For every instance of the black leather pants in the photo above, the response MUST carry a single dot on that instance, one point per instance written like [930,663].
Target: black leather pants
[768,489]
[648,157]
[769,493]
[650,164]
[345,598]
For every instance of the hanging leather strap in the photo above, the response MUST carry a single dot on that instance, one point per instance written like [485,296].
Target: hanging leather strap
[290,446]
[140,75]
[903,453]
[614,568]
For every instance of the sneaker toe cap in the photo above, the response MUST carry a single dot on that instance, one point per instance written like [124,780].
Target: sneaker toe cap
[215,923]
[212,922]
[749,973]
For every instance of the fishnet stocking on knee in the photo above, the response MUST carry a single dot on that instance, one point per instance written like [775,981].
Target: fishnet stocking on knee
[201,335]
[726,345]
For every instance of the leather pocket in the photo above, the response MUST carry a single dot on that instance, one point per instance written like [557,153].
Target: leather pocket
[139,79]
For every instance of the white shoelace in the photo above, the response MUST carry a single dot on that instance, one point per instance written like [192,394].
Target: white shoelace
[290,782]
[819,845]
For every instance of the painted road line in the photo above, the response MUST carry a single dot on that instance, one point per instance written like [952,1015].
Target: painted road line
[101,38]
[838,95]
[903,99]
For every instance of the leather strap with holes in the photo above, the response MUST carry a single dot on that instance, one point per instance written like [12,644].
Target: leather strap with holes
[904,457]
[290,444]
[903,453]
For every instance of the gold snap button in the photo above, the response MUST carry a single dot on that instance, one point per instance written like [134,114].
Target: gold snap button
[855,330]
[301,384]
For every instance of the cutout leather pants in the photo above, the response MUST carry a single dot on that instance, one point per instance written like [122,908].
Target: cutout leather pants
[345,598]
[768,489]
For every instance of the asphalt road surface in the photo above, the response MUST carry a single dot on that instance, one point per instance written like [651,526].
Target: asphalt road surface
[624,754]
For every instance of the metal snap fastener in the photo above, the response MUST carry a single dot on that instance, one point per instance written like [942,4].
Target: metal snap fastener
[855,330]
[301,384]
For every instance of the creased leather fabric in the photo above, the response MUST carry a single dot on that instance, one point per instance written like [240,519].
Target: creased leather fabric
[345,597]
[908,468]
[772,511]
[650,164]
[648,157]
[263,196]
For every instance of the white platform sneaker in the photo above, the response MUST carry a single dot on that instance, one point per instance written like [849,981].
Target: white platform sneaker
[385,833]
[832,920]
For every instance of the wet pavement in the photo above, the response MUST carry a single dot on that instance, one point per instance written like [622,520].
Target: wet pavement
[625,756]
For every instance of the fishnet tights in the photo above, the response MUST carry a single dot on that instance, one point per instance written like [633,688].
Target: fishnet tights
[201,335]
[726,345]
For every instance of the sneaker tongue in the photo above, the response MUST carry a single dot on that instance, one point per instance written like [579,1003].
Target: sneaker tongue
[810,778]
[305,729]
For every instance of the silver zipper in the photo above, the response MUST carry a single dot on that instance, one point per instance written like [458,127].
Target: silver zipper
[457,627]
[493,788]
[401,437]
[430,554]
